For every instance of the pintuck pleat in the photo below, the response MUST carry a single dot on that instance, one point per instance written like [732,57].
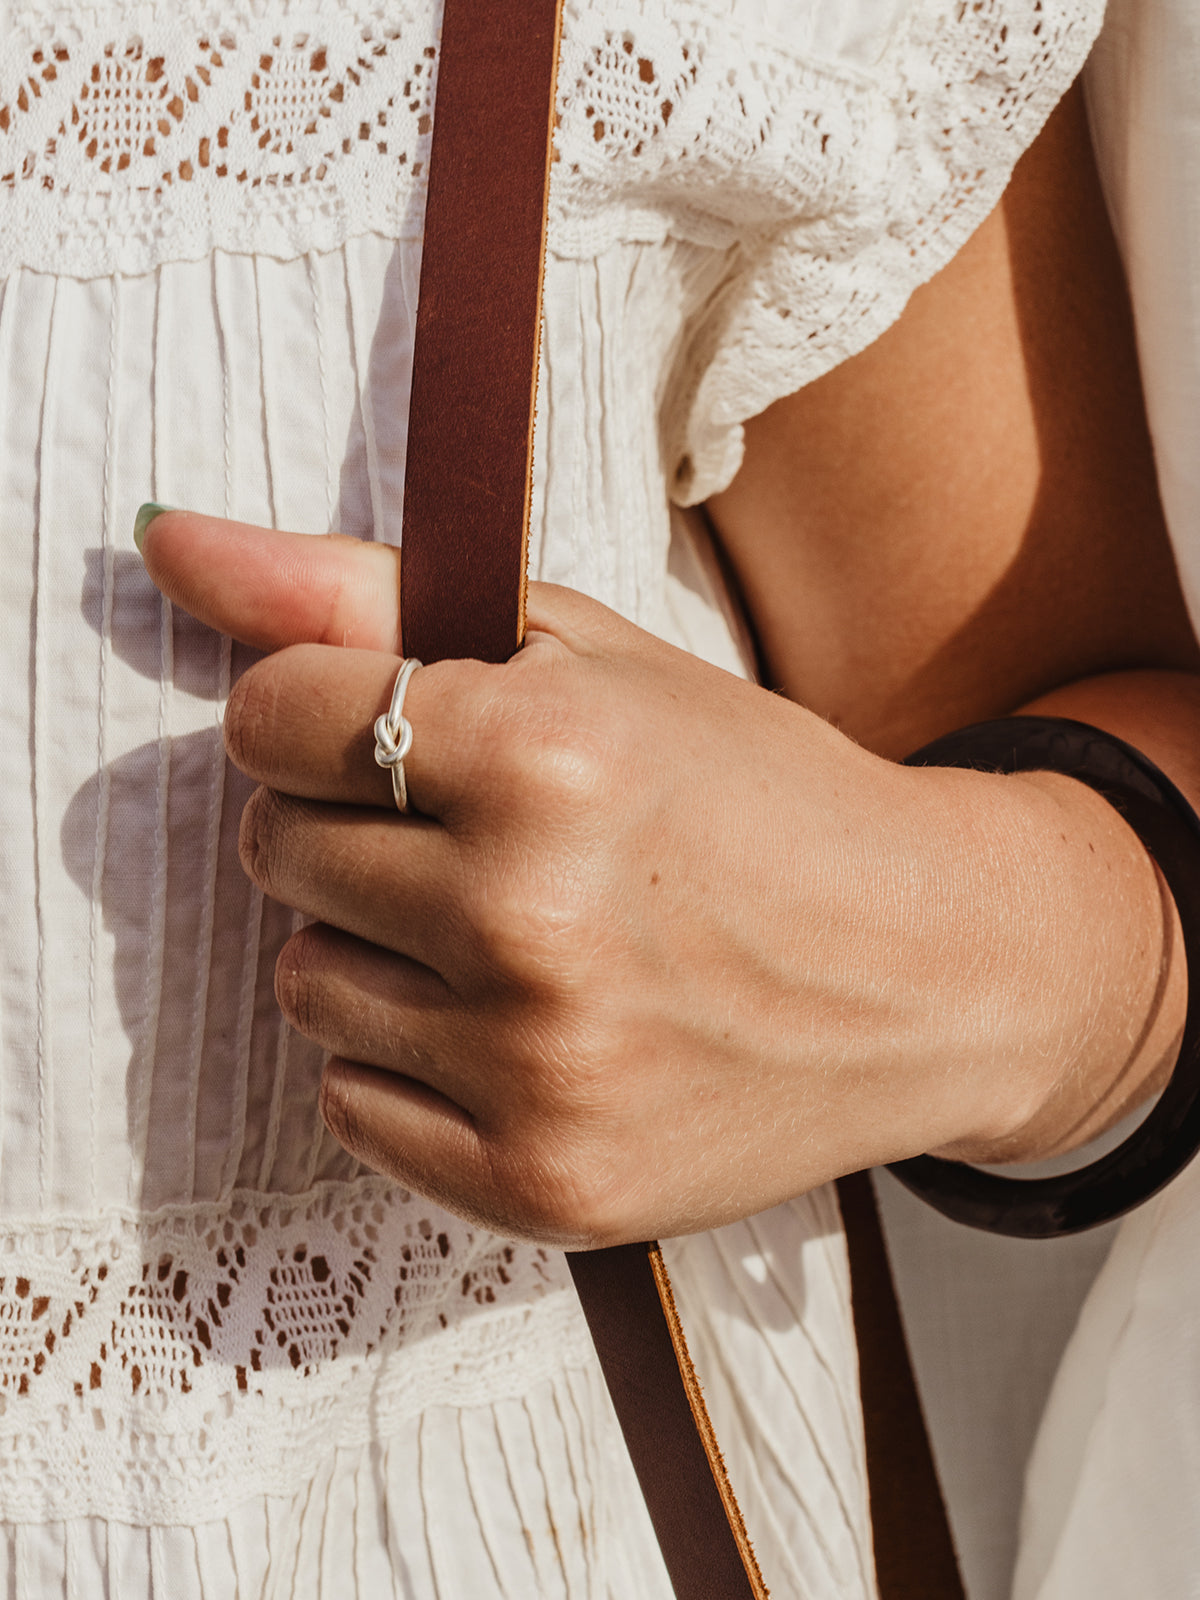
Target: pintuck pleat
[232,1363]
[480,1501]
[766,1306]
[274,392]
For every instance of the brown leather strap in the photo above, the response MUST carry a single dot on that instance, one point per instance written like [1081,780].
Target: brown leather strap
[630,1309]
[462,592]
[466,519]
[470,430]
[914,1552]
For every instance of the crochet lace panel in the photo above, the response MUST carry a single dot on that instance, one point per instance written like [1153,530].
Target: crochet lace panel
[162,1369]
[133,135]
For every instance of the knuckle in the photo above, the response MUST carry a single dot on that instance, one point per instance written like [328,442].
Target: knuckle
[261,838]
[335,1102]
[565,1196]
[562,1071]
[540,744]
[532,934]
[572,1075]
[301,984]
[565,770]
[250,716]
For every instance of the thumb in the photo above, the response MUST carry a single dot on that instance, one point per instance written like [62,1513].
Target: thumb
[272,589]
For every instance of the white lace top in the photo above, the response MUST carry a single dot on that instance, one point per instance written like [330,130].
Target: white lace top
[231,1362]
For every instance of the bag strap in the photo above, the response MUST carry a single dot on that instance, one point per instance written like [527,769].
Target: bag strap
[914,1550]
[470,430]
[467,491]
[462,594]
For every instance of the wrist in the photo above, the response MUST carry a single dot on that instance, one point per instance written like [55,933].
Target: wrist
[1075,945]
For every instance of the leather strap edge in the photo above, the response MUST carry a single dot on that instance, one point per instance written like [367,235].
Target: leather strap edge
[552,115]
[704,1426]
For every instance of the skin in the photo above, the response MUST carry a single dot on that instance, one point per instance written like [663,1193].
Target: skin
[586,1011]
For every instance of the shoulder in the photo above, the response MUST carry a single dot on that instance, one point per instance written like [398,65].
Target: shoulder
[840,152]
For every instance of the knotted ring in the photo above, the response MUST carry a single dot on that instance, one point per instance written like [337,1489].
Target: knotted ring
[394,735]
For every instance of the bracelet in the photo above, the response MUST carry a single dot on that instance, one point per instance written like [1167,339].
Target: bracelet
[1169,1136]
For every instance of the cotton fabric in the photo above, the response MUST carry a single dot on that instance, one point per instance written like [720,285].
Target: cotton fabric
[231,1361]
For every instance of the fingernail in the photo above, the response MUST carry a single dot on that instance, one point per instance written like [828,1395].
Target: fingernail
[146,515]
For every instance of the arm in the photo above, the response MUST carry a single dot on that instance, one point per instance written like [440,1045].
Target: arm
[966,516]
[963,522]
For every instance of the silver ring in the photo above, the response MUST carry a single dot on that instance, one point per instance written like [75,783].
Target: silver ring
[394,735]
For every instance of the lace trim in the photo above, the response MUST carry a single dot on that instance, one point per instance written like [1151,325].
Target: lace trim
[146,137]
[163,1370]
[149,135]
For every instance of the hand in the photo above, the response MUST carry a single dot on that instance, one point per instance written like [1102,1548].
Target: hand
[660,949]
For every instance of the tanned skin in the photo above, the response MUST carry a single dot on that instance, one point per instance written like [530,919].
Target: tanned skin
[663,948]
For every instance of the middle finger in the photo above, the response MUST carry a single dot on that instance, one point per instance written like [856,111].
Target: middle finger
[398,882]
[302,721]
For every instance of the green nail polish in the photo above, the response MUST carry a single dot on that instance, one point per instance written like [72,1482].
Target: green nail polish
[146,515]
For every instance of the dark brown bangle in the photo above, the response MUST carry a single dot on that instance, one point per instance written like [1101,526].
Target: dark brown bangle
[1169,1136]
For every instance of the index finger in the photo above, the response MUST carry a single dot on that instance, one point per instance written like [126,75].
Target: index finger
[269,588]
